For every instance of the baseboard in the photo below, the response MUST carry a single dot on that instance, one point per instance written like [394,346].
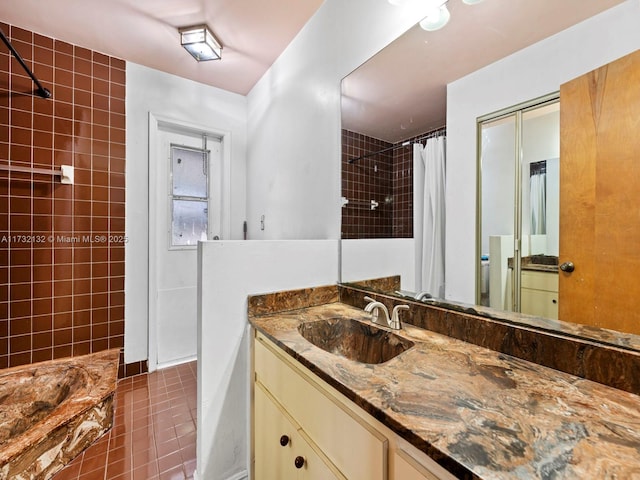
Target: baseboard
[174,363]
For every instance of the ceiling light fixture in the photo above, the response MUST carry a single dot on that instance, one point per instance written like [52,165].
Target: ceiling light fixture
[437,15]
[437,18]
[200,43]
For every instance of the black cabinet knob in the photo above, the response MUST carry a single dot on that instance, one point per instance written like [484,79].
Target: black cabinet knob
[299,462]
[284,440]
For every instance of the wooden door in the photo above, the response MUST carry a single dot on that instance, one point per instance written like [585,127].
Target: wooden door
[600,196]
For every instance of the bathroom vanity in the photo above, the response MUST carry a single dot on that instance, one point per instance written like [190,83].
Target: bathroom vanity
[442,408]
[310,427]
[539,286]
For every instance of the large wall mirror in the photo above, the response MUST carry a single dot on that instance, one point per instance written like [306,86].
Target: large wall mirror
[399,98]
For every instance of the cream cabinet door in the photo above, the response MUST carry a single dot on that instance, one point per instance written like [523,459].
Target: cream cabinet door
[281,452]
[406,467]
[539,294]
[352,446]
[273,461]
[540,303]
[313,468]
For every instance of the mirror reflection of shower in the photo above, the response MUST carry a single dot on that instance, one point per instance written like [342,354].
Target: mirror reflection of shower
[377,185]
[538,197]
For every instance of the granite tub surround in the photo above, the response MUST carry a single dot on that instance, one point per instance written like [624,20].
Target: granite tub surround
[51,411]
[523,336]
[477,412]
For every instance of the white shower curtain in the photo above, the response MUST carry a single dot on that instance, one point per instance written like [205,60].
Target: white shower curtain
[538,200]
[432,157]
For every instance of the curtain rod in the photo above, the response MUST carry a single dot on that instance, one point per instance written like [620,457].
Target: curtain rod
[433,133]
[42,92]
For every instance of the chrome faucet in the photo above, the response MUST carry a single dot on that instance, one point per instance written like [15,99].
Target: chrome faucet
[395,322]
[422,296]
[374,308]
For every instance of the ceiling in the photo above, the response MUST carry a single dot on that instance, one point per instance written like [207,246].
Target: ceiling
[253,33]
[401,91]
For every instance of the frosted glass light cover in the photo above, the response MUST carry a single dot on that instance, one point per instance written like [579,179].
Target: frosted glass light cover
[200,43]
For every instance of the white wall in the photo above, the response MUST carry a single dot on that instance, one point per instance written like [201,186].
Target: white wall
[293,179]
[379,257]
[530,73]
[227,273]
[294,117]
[498,177]
[172,97]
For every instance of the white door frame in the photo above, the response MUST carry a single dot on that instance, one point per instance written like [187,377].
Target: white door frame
[156,123]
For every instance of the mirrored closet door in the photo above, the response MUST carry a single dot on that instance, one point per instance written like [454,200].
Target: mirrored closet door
[518,231]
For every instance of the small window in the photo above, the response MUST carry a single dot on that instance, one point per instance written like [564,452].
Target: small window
[189,195]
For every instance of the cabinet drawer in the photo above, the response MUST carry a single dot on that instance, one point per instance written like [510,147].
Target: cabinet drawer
[358,451]
[272,460]
[547,281]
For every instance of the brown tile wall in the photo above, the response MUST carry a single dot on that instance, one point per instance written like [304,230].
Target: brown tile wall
[61,246]
[365,180]
[360,183]
[403,191]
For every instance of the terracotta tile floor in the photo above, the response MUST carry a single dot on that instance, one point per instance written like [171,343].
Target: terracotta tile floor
[154,431]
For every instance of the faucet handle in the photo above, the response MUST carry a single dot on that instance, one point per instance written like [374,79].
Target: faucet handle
[374,307]
[369,306]
[395,316]
[422,296]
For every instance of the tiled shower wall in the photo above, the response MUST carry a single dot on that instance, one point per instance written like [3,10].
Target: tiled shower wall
[365,180]
[61,246]
[385,177]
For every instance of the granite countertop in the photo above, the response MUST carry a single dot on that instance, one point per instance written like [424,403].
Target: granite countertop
[536,267]
[539,263]
[479,413]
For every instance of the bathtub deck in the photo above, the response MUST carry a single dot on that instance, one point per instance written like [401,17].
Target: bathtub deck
[51,411]
[154,432]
